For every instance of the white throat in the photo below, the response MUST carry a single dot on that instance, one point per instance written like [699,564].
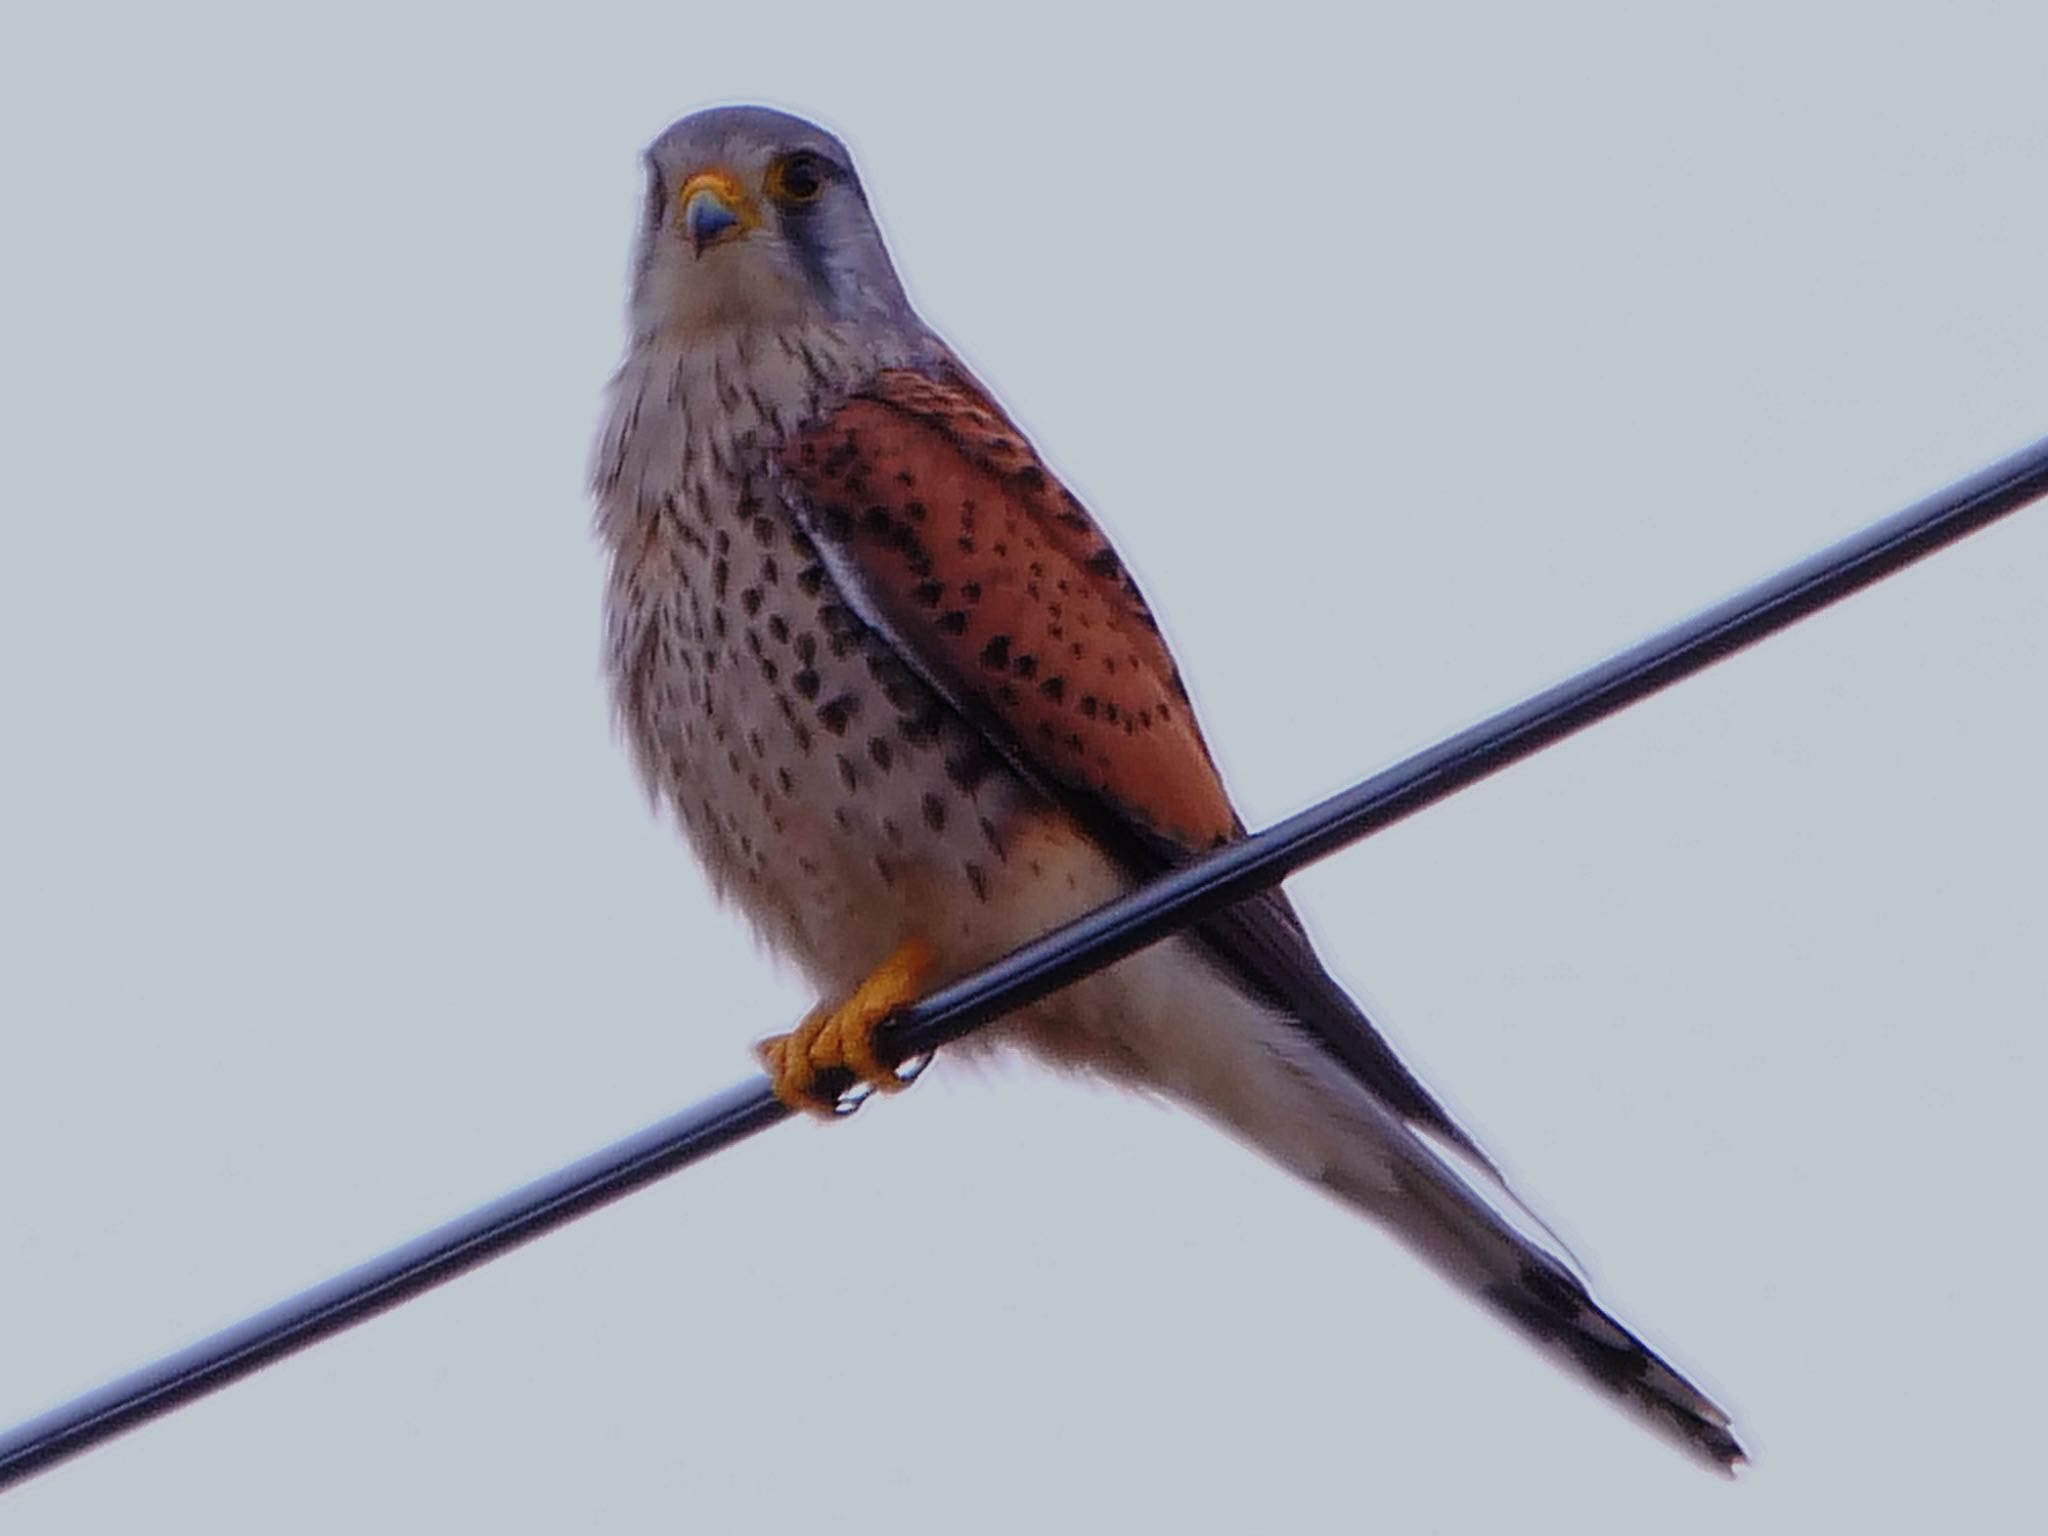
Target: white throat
[676,406]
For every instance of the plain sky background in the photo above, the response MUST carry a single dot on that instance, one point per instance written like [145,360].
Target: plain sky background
[1416,358]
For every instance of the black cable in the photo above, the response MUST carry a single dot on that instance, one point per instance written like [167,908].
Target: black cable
[1044,966]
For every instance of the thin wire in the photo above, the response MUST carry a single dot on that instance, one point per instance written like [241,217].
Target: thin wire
[1063,956]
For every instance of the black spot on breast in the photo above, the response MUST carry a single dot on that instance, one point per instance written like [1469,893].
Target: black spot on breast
[996,653]
[968,765]
[934,810]
[750,601]
[881,752]
[977,880]
[900,686]
[921,729]
[1054,688]
[843,630]
[847,775]
[834,714]
[811,580]
[953,622]
[806,683]
[926,594]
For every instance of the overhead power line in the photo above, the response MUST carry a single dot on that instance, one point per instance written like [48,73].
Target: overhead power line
[1102,937]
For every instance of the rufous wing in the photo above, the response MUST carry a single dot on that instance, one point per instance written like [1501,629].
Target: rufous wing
[1002,590]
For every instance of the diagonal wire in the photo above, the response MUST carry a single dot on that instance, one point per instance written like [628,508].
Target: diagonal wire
[1039,968]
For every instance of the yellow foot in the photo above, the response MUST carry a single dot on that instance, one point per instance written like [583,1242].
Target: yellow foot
[842,1039]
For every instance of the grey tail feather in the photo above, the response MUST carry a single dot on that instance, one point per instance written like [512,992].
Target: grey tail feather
[1458,1234]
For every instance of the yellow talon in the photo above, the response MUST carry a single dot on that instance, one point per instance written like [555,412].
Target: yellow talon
[843,1038]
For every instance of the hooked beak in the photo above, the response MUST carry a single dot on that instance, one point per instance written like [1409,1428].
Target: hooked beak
[711,207]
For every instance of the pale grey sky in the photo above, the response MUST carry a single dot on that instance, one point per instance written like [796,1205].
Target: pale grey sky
[1439,352]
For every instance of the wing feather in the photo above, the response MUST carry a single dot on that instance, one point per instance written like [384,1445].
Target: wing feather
[950,534]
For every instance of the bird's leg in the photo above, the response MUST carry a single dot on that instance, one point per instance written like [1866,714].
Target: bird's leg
[841,1038]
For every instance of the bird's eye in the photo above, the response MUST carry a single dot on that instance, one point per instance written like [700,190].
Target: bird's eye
[798,178]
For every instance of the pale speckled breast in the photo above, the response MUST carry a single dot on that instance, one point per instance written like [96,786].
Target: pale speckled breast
[823,784]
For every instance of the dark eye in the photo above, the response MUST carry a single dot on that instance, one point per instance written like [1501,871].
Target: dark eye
[798,178]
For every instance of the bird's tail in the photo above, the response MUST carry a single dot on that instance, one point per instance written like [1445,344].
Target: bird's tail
[1185,1028]
[1415,1192]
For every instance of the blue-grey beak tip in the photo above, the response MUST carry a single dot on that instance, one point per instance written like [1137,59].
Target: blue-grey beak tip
[706,218]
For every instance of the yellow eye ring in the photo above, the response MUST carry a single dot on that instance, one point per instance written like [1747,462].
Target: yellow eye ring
[798,178]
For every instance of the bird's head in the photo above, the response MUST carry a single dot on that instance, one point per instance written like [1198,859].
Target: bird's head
[755,218]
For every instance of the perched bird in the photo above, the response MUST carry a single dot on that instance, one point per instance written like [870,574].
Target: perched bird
[910,710]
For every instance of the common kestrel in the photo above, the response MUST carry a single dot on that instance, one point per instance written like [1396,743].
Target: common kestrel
[911,710]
